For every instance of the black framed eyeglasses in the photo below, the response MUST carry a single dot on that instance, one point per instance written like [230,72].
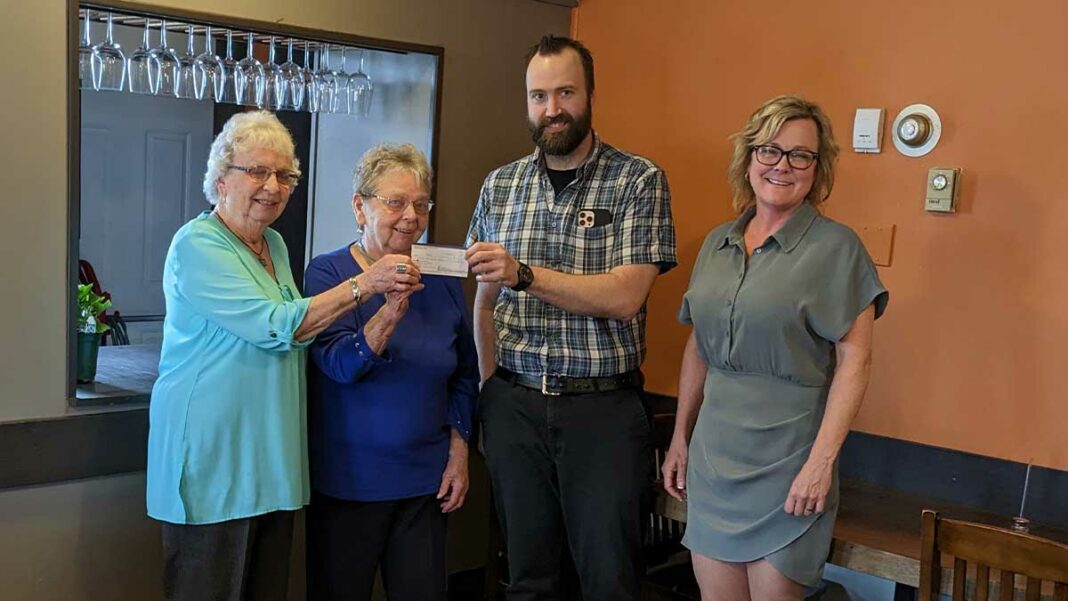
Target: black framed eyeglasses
[398,205]
[798,158]
[286,178]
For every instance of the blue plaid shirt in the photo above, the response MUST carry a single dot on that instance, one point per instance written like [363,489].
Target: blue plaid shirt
[616,212]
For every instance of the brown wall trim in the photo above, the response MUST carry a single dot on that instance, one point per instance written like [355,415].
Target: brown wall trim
[72,447]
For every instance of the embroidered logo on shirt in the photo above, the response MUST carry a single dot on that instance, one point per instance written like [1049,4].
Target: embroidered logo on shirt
[588,218]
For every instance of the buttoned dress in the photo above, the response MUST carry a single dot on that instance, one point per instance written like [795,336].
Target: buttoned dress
[766,327]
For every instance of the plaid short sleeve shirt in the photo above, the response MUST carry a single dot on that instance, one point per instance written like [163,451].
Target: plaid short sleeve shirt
[616,212]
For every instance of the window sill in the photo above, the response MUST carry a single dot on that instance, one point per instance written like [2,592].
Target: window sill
[124,375]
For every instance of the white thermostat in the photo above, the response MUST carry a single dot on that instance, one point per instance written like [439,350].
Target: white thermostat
[868,130]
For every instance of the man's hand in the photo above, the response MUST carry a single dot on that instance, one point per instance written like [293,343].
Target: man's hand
[492,264]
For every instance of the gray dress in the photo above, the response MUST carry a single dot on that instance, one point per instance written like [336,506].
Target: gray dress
[767,331]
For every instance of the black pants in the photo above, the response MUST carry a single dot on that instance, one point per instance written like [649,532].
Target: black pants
[348,540]
[569,470]
[236,560]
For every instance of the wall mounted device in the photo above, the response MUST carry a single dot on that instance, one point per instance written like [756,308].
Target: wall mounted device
[942,186]
[916,130]
[868,130]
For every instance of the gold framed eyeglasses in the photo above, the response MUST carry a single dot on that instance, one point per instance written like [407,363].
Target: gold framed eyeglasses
[398,205]
[286,178]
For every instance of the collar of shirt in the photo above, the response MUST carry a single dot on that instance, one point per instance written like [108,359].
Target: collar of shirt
[595,152]
[788,236]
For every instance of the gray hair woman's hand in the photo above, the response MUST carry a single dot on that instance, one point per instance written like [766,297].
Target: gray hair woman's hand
[393,273]
[397,304]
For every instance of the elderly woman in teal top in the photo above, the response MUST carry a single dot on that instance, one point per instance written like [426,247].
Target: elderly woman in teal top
[782,302]
[227,448]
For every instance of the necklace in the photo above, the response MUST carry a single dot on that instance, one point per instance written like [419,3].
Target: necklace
[363,253]
[258,253]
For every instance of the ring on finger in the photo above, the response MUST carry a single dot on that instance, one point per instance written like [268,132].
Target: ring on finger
[401,268]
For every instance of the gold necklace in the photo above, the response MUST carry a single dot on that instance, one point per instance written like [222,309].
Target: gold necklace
[258,253]
[363,253]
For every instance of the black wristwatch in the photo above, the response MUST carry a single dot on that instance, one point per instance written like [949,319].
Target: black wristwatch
[526,277]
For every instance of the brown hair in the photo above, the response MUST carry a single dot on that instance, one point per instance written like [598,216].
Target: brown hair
[549,45]
[763,125]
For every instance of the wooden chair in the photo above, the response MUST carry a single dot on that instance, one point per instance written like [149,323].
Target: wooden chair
[984,547]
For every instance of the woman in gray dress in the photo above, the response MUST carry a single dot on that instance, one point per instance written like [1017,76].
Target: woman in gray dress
[782,301]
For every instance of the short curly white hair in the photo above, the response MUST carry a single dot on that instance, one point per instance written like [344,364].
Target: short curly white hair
[384,158]
[242,133]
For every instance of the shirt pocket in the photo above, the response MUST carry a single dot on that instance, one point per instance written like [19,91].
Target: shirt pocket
[594,249]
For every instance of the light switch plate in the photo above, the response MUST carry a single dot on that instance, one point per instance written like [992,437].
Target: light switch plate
[943,184]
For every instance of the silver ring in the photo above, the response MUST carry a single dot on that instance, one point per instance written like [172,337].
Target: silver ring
[402,268]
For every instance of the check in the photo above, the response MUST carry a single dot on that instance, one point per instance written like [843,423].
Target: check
[440,260]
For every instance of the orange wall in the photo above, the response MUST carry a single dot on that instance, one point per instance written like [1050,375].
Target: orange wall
[971,352]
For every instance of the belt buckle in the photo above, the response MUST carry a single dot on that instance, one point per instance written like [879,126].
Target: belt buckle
[545,386]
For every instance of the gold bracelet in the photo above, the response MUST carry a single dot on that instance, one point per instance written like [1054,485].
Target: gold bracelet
[355,289]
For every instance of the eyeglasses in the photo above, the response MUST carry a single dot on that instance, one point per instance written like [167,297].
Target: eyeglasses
[797,158]
[398,205]
[284,177]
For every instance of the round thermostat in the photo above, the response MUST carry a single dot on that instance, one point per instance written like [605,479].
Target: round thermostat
[917,129]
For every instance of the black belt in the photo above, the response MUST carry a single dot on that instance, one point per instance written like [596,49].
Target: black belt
[551,385]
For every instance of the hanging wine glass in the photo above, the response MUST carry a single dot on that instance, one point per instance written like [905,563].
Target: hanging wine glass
[209,72]
[275,84]
[110,62]
[312,87]
[330,90]
[143,67]
[249,78]
[294,78]
[86,59]
[344,106]
[168,65]
[229,70]
[361,88]
[186,84]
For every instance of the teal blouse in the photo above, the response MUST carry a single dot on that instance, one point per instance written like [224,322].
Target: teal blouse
[227,421]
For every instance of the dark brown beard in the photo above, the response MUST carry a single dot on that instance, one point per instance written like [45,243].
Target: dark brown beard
[567,141]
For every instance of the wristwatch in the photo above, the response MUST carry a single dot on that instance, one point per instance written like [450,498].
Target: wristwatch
[526,277]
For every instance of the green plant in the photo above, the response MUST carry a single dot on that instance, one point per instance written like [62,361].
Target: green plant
[91,307]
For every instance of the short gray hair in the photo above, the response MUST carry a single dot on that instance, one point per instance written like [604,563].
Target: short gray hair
[384,158]
[242,133]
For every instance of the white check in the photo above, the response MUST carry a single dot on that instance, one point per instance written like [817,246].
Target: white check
[440,260]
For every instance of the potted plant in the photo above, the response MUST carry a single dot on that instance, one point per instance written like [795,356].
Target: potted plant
[91,307]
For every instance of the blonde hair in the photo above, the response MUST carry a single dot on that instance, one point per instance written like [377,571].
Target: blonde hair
[384,158]
[763,125]
[242,133]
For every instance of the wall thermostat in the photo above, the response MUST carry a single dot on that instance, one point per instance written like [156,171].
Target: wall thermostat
[868,130]
[942,186]
[916,130]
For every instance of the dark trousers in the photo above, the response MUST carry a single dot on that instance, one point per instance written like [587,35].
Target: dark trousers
[348,540]
[236,560]
[569,473]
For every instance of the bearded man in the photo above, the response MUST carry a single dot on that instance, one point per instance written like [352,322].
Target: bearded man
[566,243]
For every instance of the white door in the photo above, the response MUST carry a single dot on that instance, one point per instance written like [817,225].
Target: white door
[142,164]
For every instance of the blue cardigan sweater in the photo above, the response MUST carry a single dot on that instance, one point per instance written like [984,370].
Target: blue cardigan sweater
[379,426]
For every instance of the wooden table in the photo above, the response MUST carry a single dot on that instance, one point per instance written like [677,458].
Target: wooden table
[878,530]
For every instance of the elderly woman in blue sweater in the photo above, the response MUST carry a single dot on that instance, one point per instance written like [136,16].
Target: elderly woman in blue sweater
[393,393]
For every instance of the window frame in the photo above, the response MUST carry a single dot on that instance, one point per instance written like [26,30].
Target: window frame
[195,18]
